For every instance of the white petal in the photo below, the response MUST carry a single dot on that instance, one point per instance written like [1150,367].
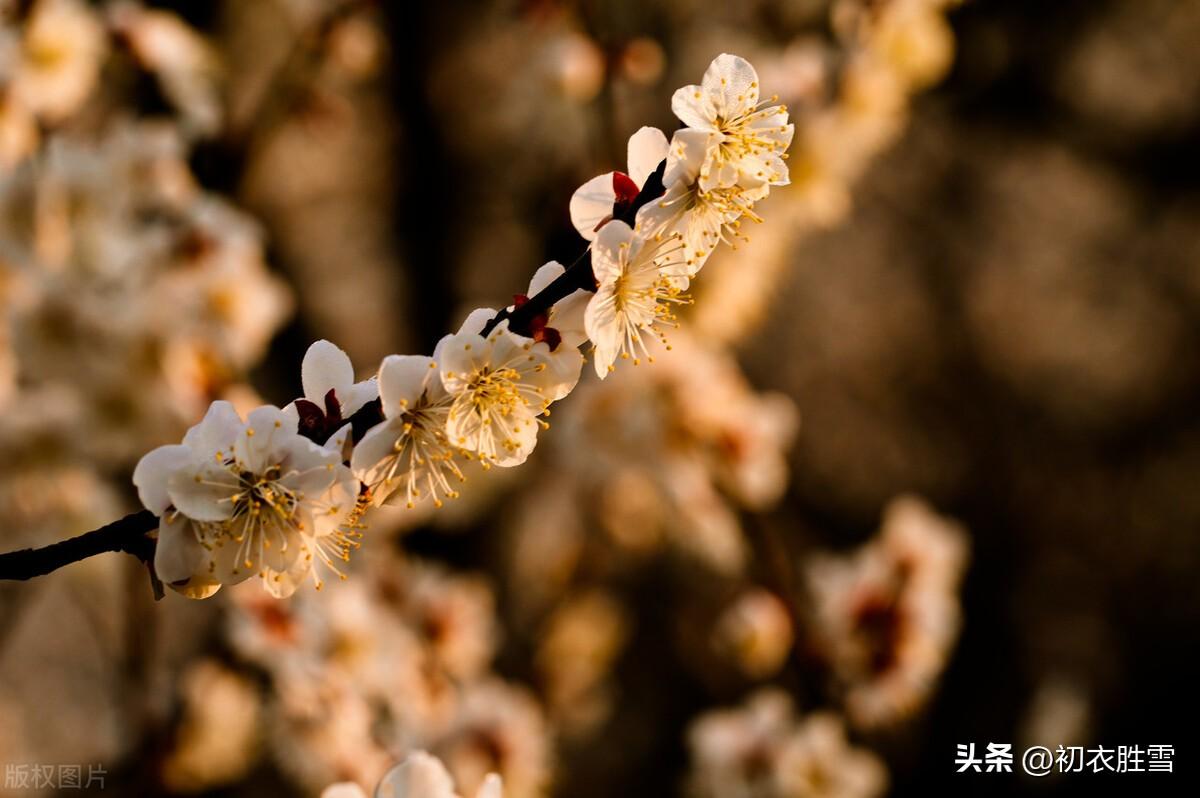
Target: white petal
[689,149]
[281,584]
[203,491]
[492,787]
[459,356]
[476,320]
[592,203]
[567,317]
[547,274]
[603,329]
[693,108]
[152,472]
[216,432]
[419,776]
[615,238]
[647,148]
[375,447]
[266,429]
[345,789]
[334,507]
[732,84]
[325,367]
[198,587]
[178,555]
[336,442]
[564,366]
[358,395]
[402,380]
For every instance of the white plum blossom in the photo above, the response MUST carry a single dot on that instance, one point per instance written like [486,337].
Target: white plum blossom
[701,218]
[500,385]
[239,499]
[746,142]
[593,203]
[409,455]
[420,776]
[639,284]
[326,369]
[331,396]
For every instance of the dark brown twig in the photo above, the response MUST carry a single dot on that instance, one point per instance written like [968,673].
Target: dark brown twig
[129,534]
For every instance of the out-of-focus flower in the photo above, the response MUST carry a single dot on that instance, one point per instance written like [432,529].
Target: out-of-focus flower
[500,385]
[818,762]
[596,202]
[419,776]
[499,728]
[887,617]
[755,631]
[409,455]
[61,48]
[18,132]
[640,284]
[581,640]
[218,739]
[238,499]
[745,141]
[186,65]
[761,750]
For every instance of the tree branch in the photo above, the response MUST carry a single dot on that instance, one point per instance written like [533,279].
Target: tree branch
[128,534]
[131,533]
[579,274]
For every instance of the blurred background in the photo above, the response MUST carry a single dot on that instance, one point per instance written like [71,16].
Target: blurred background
[921,469]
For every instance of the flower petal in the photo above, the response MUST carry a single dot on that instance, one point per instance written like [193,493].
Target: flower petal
[402,380]
[266,428]
[492,787]
[419,776]
[152,472]
[374,448]
[216,432]
[592,203]
[647,148]
[694,108]
[547,274]
[610,250]
[178,555]
[732,84]
[326,367]
[203,491]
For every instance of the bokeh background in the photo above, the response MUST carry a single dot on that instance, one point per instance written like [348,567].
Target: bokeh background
[921,469]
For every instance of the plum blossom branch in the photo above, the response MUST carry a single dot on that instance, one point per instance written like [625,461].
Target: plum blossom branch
[279,495]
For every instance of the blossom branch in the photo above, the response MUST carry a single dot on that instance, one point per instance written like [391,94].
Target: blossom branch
[129,534]
[579,274]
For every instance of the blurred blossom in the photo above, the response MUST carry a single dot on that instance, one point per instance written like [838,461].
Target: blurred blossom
[762,750]
[643,60]
[886,618]
[1059,713]
[53,66]
[184,62]
[498,728]
[575,656]
[218,737]
[755,632]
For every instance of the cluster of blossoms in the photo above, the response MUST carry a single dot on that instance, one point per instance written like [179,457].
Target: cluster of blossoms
[376,668]
[885,618]
[419,776]
[283,491]
[763,750]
